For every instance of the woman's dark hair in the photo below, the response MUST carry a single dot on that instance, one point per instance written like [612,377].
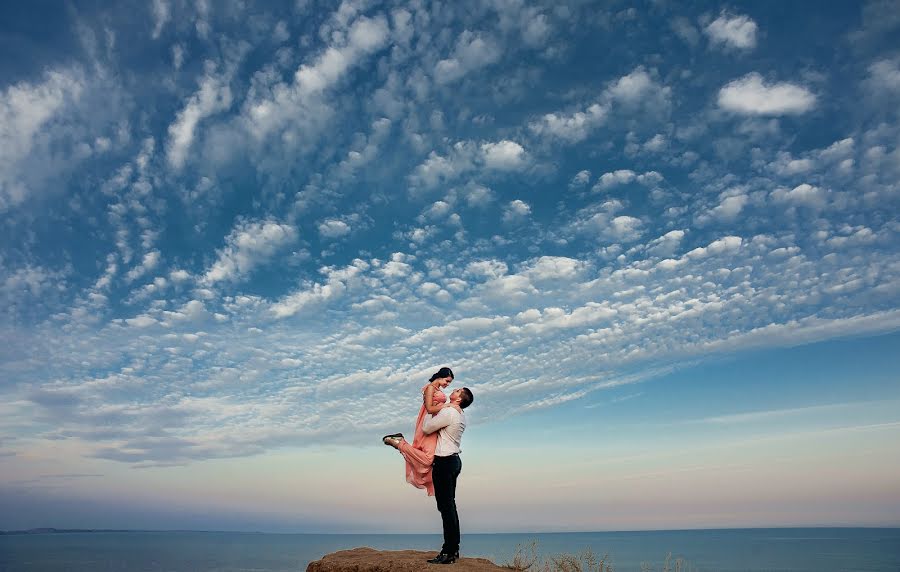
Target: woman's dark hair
[443,372]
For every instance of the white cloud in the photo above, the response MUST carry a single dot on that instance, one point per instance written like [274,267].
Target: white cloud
[553,268]
[362,154]
[420,235]
[555,318]
[802,195]
[316,294]
[724,245]
[516,211]
[334,228]
[281,34]
[667,244]
[839,155]
[615,178]
[438,210]
[478,195]
[685,30]
[884,78]
[600,220]
[796,167]
[365,36]
[670,263]
[571,128]
[625,176]
[738,32]
[327,69]
[635,90]
[28,286]
[466,156]
[504,155]
[214,96]
[581,179]
[631,87]
[142,321]
[438,169]
[161,14]
[192,311]
[649,178]
[536,30]
[655,144]
[730,207]
[838,151]
[639,88]
[506,290]
[201,20]
[487,268]
[472,52]
[250,244]
[463,327]
[852,236]
[751,95]
[625,228]
[179,275]
[397,267]
[149,262]
[25,109]
[529,21]
[299,110]
[178,53]
[312,295]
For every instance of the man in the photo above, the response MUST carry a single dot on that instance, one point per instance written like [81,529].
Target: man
[450,422]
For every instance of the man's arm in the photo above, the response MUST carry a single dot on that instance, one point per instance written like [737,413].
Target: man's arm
[436,422]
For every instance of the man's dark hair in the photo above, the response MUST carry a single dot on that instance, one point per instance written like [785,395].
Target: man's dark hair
[466,398]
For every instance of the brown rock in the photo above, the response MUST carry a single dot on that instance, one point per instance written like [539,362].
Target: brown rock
[371,560]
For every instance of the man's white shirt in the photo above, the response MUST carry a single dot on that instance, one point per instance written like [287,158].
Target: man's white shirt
[451,424]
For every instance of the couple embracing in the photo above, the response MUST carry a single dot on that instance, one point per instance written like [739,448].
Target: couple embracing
[432,459]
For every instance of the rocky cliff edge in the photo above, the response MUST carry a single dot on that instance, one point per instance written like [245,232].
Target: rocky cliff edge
[371,560]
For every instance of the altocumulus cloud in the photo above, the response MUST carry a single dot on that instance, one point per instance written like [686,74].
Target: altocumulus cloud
[293,211]
[27,113]
[729,31]
[752,95]
[248,245]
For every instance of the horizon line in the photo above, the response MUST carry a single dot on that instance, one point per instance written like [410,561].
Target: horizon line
[54,530]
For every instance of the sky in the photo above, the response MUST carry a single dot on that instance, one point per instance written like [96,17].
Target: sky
[657,241]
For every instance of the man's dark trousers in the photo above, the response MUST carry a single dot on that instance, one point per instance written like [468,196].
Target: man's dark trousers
[443,474]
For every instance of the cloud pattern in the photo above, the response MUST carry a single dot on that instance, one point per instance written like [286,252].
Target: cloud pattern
[285,228]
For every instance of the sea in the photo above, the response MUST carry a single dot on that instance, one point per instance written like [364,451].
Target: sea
[733,550]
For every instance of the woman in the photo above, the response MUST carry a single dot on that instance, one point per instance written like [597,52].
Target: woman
[420,453]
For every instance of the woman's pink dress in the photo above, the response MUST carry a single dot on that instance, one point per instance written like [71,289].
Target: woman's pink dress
[420,453]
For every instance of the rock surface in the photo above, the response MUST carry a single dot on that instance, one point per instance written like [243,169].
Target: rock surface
[371,560]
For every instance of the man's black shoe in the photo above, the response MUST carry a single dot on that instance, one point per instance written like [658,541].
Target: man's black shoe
[445,558]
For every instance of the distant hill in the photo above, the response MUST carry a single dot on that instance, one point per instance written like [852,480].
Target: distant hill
[62,530]
[95,530]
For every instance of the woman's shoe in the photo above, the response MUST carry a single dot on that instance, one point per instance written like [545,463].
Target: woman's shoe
[391,441]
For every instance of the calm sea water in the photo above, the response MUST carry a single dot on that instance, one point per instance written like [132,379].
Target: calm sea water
[770,550]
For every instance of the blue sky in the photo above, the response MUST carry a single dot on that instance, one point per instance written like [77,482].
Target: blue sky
[658,242]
